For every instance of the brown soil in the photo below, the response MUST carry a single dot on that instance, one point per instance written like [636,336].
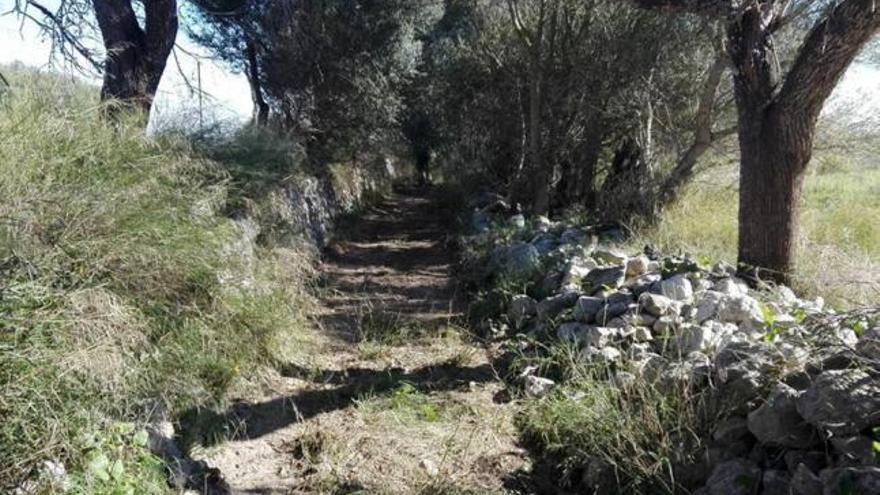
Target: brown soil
[393,397]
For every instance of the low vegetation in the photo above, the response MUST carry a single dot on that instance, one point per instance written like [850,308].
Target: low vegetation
[628,283]
[114,307]
[643,432]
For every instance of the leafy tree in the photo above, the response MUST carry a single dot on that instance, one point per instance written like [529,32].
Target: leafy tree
[231,30]
[539,94]
[333,72]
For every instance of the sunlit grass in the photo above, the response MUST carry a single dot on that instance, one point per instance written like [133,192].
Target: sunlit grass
[838,252]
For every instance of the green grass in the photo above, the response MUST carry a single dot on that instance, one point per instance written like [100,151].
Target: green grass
[110,304]
[838,252]
[642,434]
[407,404]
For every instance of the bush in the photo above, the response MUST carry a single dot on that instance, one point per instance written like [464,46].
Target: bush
[110,304]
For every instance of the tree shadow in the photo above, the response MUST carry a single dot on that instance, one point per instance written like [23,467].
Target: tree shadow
[257,420]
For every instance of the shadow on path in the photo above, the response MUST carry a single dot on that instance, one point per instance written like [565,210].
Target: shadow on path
[266,417]
[394,260]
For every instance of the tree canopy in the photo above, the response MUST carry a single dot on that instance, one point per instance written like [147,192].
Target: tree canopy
[601,105]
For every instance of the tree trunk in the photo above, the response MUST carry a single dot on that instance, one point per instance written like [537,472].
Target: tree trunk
[539,182]
[768,184]
[777,121]
[775,152]
[592,149]
[519,189]
[621,198]
[261,108]
[541,179]
[136,57]
[777,125]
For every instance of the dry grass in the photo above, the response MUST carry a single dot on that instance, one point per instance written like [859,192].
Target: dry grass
[838,251]
[414,440]
[387,420]
[110,303]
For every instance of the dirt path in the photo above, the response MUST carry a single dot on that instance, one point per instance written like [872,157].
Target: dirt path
[393,398]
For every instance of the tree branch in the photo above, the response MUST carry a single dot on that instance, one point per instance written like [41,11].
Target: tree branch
[703,135]
[703,120]
[56,25]
[513,8]
[828,50]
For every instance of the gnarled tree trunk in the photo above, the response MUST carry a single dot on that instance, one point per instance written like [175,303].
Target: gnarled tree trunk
[775,153]
[777,124]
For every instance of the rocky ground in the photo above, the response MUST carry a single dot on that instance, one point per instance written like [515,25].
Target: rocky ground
[791,389]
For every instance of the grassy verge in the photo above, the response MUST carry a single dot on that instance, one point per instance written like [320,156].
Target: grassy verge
[620,440]
[838,252]
[111,310]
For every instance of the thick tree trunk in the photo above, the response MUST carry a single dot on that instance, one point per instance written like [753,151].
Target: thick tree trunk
[775,152]
[777,120]
[767,185]
[777,124]
[136,57]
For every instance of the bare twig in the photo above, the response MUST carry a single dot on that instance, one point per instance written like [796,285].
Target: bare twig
[54,23]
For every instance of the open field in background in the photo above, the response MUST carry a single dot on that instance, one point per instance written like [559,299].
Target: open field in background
[839,247]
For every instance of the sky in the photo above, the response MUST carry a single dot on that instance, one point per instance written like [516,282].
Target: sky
[230,96]
[229,93]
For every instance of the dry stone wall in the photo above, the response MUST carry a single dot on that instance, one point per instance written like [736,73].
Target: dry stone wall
[795,386]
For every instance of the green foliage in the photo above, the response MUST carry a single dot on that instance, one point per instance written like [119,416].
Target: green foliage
[408,403]
[407,397]
[110,300]
[831,164]
[769,318]
[255,158]
[117,462]
[379,325]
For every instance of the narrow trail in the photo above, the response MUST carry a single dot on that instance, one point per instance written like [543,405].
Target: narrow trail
[393,397]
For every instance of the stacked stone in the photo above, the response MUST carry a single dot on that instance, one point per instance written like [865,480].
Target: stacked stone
[798,387]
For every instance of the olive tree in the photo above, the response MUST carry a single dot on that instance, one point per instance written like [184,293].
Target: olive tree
[778,110]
